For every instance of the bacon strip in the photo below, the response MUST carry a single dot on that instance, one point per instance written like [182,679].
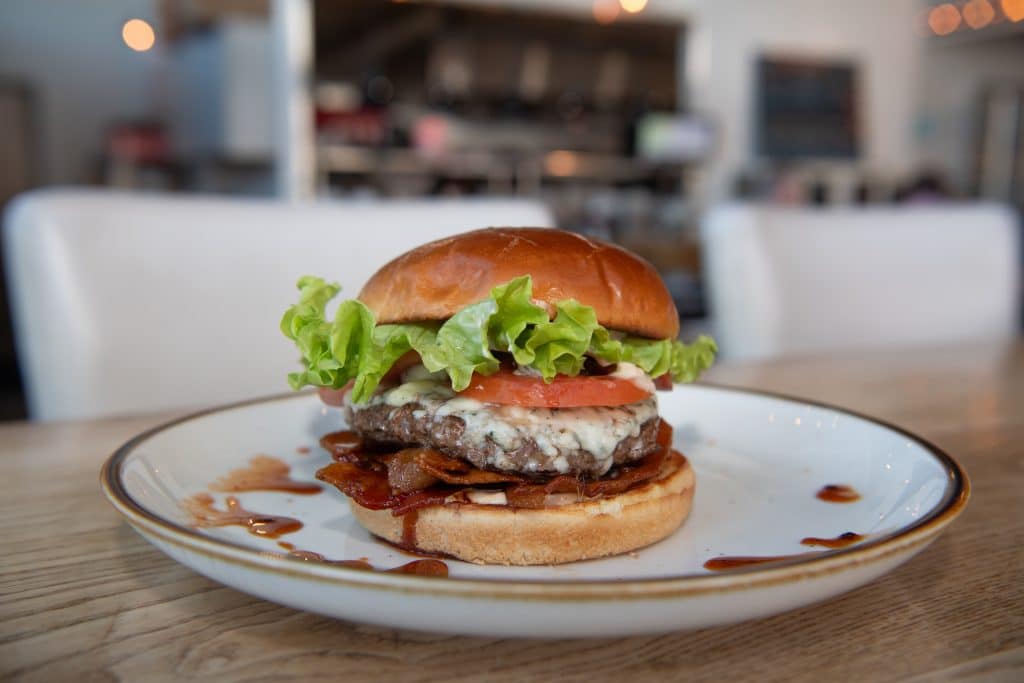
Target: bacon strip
[372,490]
[405,473]
[420,477]
[454,471]
[367,487]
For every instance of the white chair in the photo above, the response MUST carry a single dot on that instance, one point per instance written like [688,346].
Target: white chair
[784,281]
[126,303]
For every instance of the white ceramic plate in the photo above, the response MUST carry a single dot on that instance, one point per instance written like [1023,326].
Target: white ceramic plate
[759,460]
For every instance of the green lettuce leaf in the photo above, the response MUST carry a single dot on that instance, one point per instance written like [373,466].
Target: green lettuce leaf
[688,361]
[558,346]
[517,313]
[306,324]
[354,347]
[388,344]
[462,345]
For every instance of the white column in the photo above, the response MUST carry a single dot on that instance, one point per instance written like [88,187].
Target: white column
[294,134]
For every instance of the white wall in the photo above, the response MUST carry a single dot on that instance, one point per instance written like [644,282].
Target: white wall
[726,37]
[71,53]
[954,74]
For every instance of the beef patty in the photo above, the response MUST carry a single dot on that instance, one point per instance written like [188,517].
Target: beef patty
[541,441]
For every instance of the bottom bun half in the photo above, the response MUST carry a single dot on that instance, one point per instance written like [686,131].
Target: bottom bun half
[499,534]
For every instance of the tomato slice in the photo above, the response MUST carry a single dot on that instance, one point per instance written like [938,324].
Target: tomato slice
[506,388]
[663,382]
[334,397]
[408,360]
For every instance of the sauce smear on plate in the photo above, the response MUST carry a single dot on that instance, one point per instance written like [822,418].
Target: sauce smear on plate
[205,515]
[840,541]
[264,473]
[727,562]
[417,567]
[837,493]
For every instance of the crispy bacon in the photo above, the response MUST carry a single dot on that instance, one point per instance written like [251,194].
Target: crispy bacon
[372,490]
[455,471]
[367,487]
[406,474]
[414,478]
[342,444]
[420,499]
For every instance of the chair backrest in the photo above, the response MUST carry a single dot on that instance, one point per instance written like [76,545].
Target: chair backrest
[126,303]
[785,280]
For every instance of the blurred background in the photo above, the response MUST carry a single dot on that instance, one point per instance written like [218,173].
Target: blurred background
[631,120]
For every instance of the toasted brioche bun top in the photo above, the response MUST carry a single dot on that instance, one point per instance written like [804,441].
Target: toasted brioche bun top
[437,280]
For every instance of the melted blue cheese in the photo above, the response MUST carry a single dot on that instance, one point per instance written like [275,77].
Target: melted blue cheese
[418,391]
[635,374]
[597,430]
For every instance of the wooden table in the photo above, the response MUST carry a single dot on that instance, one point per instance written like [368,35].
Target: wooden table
[85,598]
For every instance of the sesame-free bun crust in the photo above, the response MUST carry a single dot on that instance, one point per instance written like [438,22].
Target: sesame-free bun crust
[438,279]
[498,534]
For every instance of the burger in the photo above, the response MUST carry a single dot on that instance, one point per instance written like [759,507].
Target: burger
[499,388]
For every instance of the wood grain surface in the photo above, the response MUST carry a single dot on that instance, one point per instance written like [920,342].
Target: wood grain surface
[84,598]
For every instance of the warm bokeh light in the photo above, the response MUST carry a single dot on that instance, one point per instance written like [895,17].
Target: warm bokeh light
[1013,9]
[138,35]
[978,13]
[561,162]
[633,6]
[944,19]
[605,11]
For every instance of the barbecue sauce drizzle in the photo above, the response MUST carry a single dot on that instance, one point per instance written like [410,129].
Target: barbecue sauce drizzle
[409,528]
[266,473]
[840,541]
[837,493]
[204,515]
[417,567]
[830,493]
[727,562]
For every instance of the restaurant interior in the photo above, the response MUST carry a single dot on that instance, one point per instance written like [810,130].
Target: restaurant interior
[831,190]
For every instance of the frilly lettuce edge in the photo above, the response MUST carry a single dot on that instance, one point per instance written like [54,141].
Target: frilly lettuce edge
[355,347]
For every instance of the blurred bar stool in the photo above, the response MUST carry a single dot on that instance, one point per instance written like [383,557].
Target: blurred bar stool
[786,281]
[126,303]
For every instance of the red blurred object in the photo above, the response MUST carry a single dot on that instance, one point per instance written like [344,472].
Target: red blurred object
[431,134]
[367,126]
[140,143]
